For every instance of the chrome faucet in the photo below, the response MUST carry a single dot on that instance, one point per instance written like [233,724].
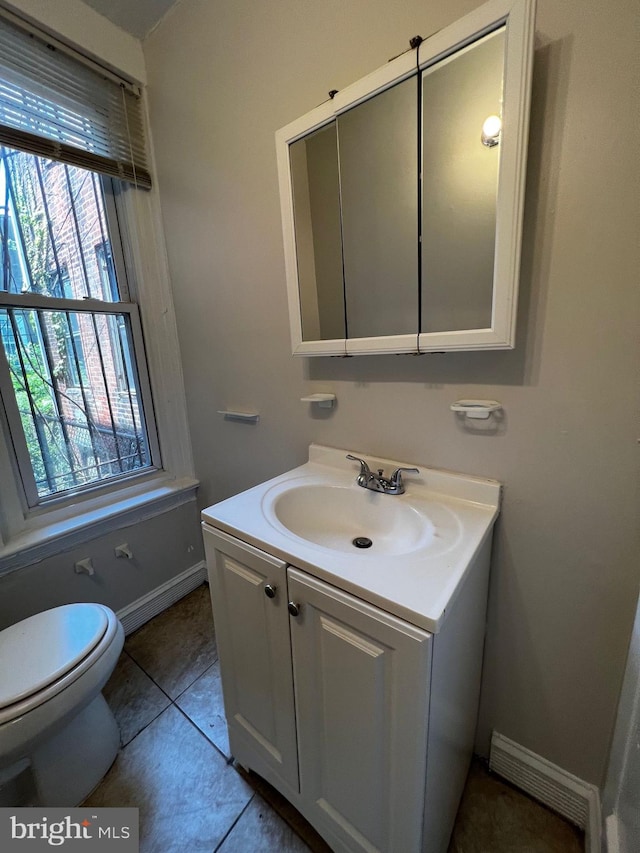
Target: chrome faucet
[392,485]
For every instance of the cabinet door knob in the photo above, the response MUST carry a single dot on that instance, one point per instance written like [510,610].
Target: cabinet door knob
[270,590]
[293,608]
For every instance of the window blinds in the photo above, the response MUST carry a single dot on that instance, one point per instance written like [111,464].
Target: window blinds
[58,107]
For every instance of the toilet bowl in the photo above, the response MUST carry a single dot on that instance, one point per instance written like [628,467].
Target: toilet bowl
[58,737]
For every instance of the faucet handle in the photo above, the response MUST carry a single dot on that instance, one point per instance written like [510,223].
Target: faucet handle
[396,477]
[365,474]
[364,468]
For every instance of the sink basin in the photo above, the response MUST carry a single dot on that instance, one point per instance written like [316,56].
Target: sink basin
[423,542]
[349,518]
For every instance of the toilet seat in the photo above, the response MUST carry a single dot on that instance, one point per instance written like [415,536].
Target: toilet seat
[44,653]
[63,736]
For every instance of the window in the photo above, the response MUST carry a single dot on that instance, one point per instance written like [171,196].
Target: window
[82,268]
[76,402]
[75,408]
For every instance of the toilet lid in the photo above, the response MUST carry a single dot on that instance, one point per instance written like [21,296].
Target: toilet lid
[42,648]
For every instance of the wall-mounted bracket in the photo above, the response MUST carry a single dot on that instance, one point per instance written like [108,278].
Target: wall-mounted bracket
[123,551]
[476,409]
[84,567]
[325,401]
[249,417]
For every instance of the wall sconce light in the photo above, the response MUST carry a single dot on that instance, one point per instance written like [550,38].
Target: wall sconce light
[491,131]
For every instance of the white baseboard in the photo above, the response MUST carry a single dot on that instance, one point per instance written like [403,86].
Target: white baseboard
[612,834]
[574,799]
[140,611]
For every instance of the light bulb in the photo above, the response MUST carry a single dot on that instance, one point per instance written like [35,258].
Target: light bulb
[491,131]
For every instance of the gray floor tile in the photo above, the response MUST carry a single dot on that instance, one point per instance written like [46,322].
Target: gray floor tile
[203,704]
[133,697]
[261,829]
[188,796]
[496,818]
[291,816]
[177,646]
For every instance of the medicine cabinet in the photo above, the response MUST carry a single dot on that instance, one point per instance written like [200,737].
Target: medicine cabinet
[402,196]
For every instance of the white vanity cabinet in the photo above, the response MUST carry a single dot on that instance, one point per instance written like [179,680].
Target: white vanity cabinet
[364,721]
[249,596]
[362,691]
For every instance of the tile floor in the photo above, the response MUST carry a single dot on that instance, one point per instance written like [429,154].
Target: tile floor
[175,762]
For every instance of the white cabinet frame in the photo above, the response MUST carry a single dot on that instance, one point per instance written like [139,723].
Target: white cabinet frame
[518,17]
[293,681]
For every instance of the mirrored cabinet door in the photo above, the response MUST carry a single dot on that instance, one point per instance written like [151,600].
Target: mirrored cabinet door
[378,150]
[460,186]
[316,207]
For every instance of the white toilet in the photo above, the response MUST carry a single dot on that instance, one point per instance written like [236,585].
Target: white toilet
[58,737]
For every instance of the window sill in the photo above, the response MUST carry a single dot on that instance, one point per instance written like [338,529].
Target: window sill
[58,530]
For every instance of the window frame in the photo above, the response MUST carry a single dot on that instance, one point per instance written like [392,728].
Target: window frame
[30,499]
[27,484]
[28,533]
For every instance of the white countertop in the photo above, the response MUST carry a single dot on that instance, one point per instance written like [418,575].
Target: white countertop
[417,585]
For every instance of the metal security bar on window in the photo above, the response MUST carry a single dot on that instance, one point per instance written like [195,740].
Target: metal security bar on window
[52,218]
[78,428]
[74,392]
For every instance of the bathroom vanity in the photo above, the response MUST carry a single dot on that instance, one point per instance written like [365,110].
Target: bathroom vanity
[351,674]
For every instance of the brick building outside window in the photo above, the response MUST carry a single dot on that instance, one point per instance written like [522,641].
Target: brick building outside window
[72,365]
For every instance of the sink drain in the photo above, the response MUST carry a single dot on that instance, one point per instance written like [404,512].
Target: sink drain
[362,542]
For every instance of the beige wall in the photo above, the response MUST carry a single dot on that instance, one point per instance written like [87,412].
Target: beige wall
[224,75]
[81,26]
[163,546]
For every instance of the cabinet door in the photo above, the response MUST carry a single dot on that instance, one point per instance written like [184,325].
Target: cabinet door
[362,688]
[252,631]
